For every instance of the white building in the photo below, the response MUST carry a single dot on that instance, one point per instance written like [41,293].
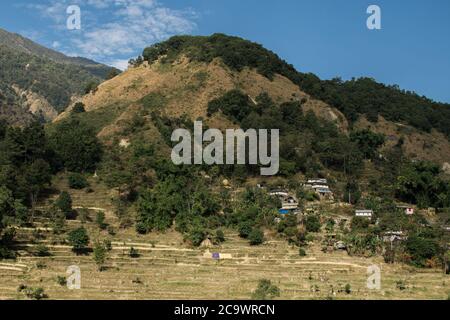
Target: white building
[364,213]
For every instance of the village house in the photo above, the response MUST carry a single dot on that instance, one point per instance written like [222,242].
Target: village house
[289,203]
[392,236]
[364,213]
[320,186]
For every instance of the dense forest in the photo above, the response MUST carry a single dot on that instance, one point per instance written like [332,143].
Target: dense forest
[353,98]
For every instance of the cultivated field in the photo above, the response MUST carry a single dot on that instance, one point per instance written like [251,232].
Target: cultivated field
[166,269]
[169,269]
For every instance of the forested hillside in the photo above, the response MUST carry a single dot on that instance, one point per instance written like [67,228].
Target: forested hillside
[357,97]
[21,44]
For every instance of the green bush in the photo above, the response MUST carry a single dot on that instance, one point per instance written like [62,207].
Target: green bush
[42,251]
[348,288]
[64,203]
[78,108]
[220,236]
[78,239]
[134,253]
[421,249]
[62,281]
[196,236]
[312,224]
[100,220]
[266,291]
[77,181]
[256,237]
[245,228]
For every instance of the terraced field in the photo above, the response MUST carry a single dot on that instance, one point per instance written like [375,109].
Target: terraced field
[168,269]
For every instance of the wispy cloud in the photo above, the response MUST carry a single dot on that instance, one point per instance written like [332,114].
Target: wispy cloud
[114,29]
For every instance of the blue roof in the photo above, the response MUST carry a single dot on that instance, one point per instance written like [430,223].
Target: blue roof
[283,211]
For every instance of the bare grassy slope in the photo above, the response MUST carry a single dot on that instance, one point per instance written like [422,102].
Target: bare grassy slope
[433,146]
[187,88]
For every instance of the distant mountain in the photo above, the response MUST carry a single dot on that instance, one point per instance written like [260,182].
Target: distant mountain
[37,82]
[19,43]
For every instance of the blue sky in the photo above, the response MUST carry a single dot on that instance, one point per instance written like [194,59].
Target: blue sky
[326,37]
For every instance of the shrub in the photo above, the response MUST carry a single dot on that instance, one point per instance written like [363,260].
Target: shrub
[244,229]
[92,86]
[64,203]
[348,288]
[83,215]
[33,293]
[108,245]
[266,291]
[78,239]
[302,252]
[256,237]
[100,253]
[42,251]
[196,236]
[312,224]
[421,249]
[134,253]
[62,281]
[100,220]
[77,181]
[78,108]
[400,285]
[220,236]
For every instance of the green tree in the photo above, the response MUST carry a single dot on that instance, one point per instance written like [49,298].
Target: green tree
[134,253]
[64,203]
[368,142]
[77,181]
[91,86]
[37,176]
[78,108]
[76,145]
[78,239]
[348,288]
[100,220]
[256,237]
[312,224]
[245,228]
[220,236]
[100,254]
[421,249]
[266,291]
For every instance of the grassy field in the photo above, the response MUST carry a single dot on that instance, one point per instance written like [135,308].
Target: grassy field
[169,269]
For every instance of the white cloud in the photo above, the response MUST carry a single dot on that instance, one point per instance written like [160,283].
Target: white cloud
[121,28]
[121,64]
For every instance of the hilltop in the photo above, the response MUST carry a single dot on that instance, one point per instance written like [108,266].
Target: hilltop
[182,75]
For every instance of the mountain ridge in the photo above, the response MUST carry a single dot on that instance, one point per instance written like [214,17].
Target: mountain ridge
[36,83]
[18,42]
